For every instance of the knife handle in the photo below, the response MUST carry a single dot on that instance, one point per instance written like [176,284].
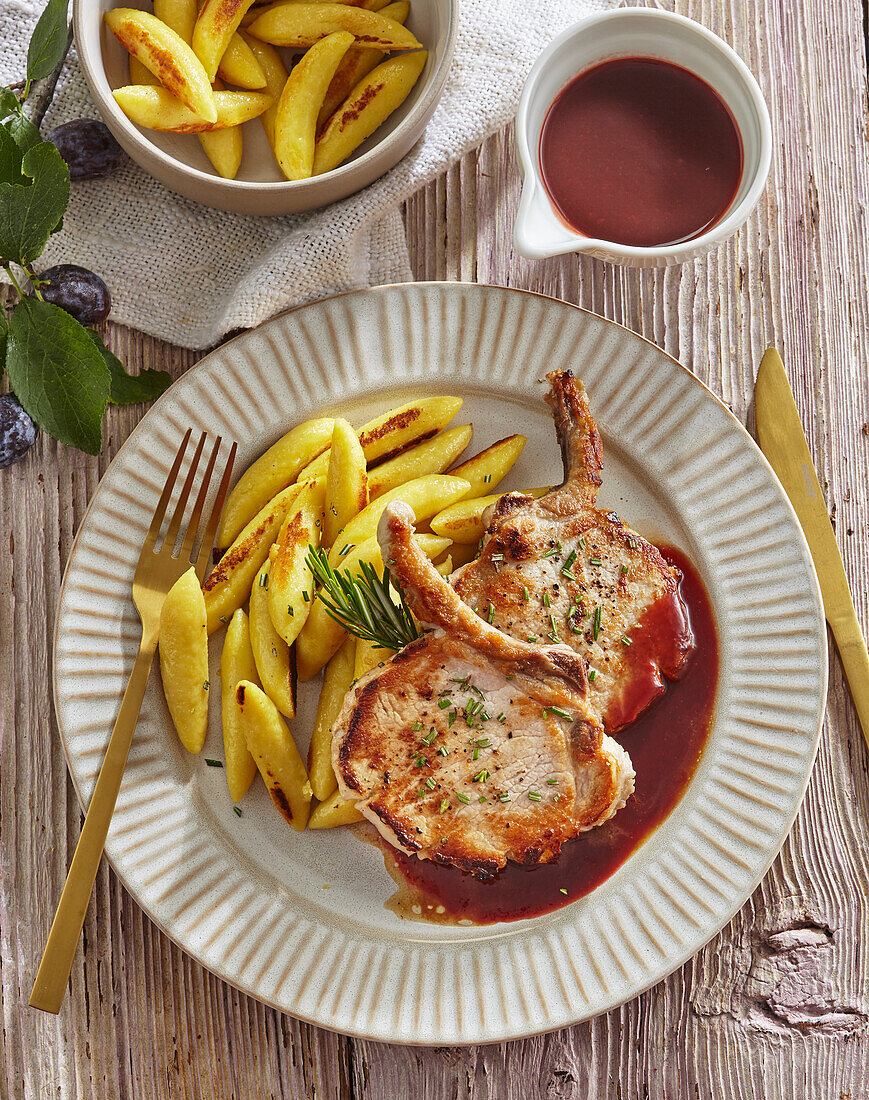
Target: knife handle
[855,660]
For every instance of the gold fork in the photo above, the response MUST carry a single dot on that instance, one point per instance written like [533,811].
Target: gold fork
[155,574]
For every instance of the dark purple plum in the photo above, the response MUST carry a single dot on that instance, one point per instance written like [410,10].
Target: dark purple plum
[17,431]
[88,147]
[79,291]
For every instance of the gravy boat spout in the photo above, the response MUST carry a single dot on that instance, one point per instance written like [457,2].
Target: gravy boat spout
[538,231]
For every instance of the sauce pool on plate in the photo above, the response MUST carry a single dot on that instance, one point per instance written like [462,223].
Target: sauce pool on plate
[640,152]
[665,744]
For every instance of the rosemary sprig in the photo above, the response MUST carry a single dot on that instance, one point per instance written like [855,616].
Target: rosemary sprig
[363,603]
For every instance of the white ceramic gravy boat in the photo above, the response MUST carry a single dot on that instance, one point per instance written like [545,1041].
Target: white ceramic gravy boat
[539,230]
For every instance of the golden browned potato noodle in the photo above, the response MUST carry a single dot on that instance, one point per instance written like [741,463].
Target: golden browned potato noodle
[236,664]
[336,683]
[368,106]
[184,660]
[275,753]
[168,56]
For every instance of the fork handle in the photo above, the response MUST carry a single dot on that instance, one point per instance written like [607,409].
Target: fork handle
[53,975]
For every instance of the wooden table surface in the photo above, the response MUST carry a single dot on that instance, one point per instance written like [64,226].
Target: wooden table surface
[775,1006]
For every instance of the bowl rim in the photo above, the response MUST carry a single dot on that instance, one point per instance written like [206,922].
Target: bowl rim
[734,217]
[97,82]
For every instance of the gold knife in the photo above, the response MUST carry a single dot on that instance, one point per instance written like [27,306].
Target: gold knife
[783,441]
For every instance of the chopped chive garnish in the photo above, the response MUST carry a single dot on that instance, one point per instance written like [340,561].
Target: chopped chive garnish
[502,717]
[497,557]
[481,776]
[526,595]
[476,691]
[206,684]
[625,570]
[416,727]
[595,561]
[592,675]
[483,742]
[443,751]
[504,797]
[345,549]
[547,602]
[237,811]
[532,638]
[430,736]
[463,798]
[562,891]
[552,782]
[477,752]
[263,580]
[559,712]
[290,611]
[553,624]
[452,716]
[627,640]
[214,763]
[550,553]
[535,796]
[487,479]
[445,702]
[491,614]
[420,760]
[598,615]
[305,596]
[482,798]
[462,682]
[632,543]
[224,618]
[568,564]
[581,544]
[445,804]
[430,783]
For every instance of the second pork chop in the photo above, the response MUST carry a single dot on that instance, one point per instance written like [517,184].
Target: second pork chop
[560,570]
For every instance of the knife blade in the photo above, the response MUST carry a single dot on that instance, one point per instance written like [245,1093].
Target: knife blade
[783,442]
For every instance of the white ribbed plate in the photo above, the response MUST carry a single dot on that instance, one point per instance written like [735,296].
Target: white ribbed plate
[246,895]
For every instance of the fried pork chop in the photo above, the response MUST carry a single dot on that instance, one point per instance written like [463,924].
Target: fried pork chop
[471,747]
[560,570]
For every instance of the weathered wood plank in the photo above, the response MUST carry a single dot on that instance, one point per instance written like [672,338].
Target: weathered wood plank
[776,1005]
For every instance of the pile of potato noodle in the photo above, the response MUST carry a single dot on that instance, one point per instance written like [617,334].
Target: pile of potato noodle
[337,94]
[324,484]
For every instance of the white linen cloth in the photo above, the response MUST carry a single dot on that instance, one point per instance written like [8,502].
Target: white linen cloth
[189,274]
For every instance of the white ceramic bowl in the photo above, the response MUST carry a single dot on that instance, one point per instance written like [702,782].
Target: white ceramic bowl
[539,230]
[178,160]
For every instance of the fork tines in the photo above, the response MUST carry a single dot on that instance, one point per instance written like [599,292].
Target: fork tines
[200,559]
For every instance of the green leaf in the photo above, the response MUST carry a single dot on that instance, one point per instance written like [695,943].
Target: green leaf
[26,135]
[48,41]
[31,211]
[57,373]
[9,104]
[10,158]
[130,389]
